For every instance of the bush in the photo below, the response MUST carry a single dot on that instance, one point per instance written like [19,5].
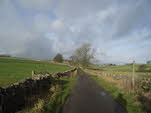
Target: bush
[149,62]
[58,58]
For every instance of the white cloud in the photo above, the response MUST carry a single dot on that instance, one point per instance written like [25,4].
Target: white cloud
[117,29]
[57,25]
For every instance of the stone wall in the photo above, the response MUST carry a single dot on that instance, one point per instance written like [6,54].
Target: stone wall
[126,80]
[15,97]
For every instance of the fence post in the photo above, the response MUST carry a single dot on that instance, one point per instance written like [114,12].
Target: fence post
[133,76]
[33,72]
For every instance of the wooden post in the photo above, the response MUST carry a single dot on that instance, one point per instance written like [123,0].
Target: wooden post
[133,76]
[33,72]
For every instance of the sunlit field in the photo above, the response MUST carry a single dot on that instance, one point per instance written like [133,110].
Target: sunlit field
[13,70]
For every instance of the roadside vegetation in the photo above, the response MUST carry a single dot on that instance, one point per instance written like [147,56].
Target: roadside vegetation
[130,98]
[55,100]
[13,70]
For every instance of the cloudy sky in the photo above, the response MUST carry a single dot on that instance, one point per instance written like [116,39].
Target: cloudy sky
[119,30]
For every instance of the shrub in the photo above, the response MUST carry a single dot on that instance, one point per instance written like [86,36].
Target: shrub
[58,58]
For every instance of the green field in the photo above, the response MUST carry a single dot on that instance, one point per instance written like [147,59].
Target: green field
[142,70]
[13,69]
[128,68]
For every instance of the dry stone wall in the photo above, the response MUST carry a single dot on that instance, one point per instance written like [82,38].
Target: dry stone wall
[15,97]
[126,80]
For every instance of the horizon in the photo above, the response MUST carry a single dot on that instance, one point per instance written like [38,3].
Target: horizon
[99,64]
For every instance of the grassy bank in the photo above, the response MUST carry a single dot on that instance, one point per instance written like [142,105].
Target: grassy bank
[13,69]
[127,100]
[54,103]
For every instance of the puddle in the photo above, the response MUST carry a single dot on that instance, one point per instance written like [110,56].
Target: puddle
[102,93]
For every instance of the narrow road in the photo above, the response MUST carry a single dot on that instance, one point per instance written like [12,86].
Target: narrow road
[88,97]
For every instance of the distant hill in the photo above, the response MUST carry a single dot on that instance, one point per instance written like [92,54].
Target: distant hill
[3,55]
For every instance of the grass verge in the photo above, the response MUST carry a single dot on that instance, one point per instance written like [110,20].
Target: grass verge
[55,105]
[130,99]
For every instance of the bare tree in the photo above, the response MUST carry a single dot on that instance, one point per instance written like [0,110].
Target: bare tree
[83,56]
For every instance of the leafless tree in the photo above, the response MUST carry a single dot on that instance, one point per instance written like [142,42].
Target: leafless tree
[83,56]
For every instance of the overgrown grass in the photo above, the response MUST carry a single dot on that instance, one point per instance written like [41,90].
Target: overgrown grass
[54,103]
[130,98]
[13,70]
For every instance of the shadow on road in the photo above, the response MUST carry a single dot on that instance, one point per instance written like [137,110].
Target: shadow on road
[122,102]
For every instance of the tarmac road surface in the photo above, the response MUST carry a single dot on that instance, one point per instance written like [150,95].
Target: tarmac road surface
[89,97]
